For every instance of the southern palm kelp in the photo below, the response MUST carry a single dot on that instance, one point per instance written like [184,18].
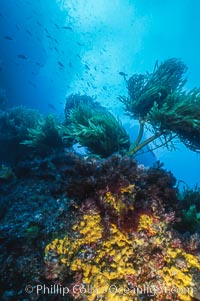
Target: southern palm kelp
[46,137]
[190,213]
[74,100]
[95,127]
[6,173]
[158,99]
[14,124]
[146,89]
[179,114]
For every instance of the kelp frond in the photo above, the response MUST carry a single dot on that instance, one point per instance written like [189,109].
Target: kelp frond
[181,115]
[15,122]
[159,99]
[74,100]
[97,129]
[146,89]
[46,136]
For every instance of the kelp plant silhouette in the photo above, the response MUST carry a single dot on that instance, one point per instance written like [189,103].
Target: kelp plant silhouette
[160,102]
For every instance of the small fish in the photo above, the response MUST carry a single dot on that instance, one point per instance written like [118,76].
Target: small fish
[38,64]
[124,75]
[48,36]
[51,106]
[56,41]
[9,38]
[56,25]
[56,49]
[80,44]
[29,33]
[46,30]
[38,23]
[87,67]
[22,56]
[103,50]
[67,27]
[92,76]
[61,64]
[105,88]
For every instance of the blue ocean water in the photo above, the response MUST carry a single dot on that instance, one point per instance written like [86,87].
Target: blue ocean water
[50,49]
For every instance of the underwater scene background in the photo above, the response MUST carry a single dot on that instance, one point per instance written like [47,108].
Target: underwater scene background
[99,156]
